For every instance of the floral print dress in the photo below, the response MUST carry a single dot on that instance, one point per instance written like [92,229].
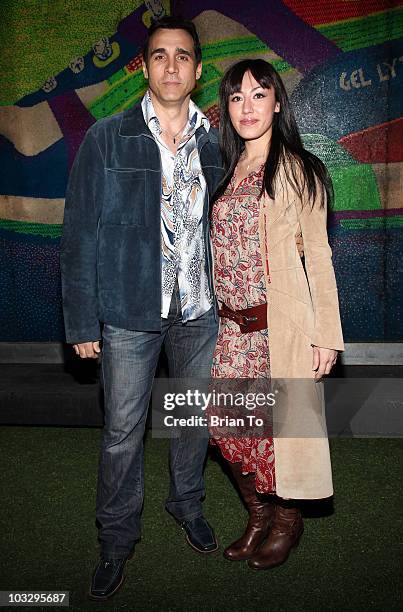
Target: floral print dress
[240,283]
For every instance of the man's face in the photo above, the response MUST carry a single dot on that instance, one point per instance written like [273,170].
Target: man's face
[171,67]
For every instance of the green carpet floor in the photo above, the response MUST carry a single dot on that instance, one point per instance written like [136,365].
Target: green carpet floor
[348,559]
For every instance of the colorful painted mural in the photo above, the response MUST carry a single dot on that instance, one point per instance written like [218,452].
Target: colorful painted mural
[342,64]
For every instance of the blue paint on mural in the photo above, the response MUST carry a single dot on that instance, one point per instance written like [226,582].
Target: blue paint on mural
[352,92]
[30,278]
[370,286]
[41,176]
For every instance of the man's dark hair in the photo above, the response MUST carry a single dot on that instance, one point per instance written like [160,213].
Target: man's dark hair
[173,23]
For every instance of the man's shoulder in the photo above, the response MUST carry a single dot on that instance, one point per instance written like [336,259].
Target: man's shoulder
[133,116]
[211,134]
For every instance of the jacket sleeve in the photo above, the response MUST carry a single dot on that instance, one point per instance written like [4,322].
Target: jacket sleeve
[320,273]
[78,257]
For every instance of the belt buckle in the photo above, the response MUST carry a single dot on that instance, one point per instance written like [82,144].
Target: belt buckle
[246,321]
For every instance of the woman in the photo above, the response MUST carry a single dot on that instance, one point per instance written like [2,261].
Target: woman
[278,319]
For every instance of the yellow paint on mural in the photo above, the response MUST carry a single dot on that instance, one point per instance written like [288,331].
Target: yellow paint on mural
[33,210]
[30,129]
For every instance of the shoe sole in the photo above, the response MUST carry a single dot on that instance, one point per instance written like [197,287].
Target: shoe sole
[201,552]
[105,597]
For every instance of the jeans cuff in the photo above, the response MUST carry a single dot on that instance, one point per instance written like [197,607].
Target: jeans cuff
[116,554]
[187,517]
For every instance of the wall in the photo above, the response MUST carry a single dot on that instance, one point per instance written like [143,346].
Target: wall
[65,65]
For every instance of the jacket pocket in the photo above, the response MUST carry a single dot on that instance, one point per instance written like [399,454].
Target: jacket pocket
[125,197]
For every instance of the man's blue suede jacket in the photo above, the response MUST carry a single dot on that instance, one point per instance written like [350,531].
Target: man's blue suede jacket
[111,243]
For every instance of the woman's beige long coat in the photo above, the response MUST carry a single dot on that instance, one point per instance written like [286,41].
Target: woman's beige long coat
[303,310]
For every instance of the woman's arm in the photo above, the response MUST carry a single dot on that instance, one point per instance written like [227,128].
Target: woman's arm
[322,361]
[322,283]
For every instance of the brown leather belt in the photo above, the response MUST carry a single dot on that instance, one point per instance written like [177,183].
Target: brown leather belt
[249,319]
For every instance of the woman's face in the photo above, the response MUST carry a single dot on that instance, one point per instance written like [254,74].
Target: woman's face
[252,109]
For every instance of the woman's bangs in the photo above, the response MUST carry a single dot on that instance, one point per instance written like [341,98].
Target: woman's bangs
[262,75]
[235,81]
[259,71]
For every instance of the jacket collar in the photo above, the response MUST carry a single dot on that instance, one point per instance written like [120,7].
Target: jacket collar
[196,117]
[133,124]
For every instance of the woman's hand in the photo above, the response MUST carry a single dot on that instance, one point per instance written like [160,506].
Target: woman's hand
[323,361]
[299,243]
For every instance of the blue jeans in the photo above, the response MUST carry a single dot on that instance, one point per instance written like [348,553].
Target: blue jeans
[129,361]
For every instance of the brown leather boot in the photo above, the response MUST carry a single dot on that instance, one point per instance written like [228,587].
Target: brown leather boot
[285,532]
[260,515]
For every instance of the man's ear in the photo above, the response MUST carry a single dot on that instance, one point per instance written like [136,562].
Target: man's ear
[199,71]
[145,71]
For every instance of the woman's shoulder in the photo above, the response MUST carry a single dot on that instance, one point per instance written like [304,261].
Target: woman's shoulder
[299,160]
[297,171]
[290,171]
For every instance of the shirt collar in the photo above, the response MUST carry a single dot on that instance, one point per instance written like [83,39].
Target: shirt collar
[196,117]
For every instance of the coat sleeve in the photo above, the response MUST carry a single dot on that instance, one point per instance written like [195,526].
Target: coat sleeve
[78,256]
[320,273]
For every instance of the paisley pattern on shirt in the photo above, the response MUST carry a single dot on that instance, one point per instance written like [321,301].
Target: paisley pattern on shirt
[240,283]
[182,201]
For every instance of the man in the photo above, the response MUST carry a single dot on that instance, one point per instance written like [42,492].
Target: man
[136,272]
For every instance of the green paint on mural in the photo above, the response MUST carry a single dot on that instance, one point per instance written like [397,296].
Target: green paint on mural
[39,38]
[281,65]
[38,229]
[127,89]
[207,96]
[328,150]
[355,187]
[222,49]
[125,93]
[375,223]
[206,93]
[210,73]
[242,46]
[120,74]
[365,31]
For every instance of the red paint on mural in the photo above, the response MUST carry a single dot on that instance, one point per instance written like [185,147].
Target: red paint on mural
[134,64]
[379,144]
[317,13]
[213,115]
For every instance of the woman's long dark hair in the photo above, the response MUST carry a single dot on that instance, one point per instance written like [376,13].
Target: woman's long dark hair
[304,171]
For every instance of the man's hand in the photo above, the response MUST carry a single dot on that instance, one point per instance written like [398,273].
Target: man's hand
[323,361]
[87,350]
[299,243]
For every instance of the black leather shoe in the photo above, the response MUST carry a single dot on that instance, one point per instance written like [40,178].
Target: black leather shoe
[107,578]
[199,535]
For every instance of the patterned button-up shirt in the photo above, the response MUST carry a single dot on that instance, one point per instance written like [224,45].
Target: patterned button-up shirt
[182,201]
